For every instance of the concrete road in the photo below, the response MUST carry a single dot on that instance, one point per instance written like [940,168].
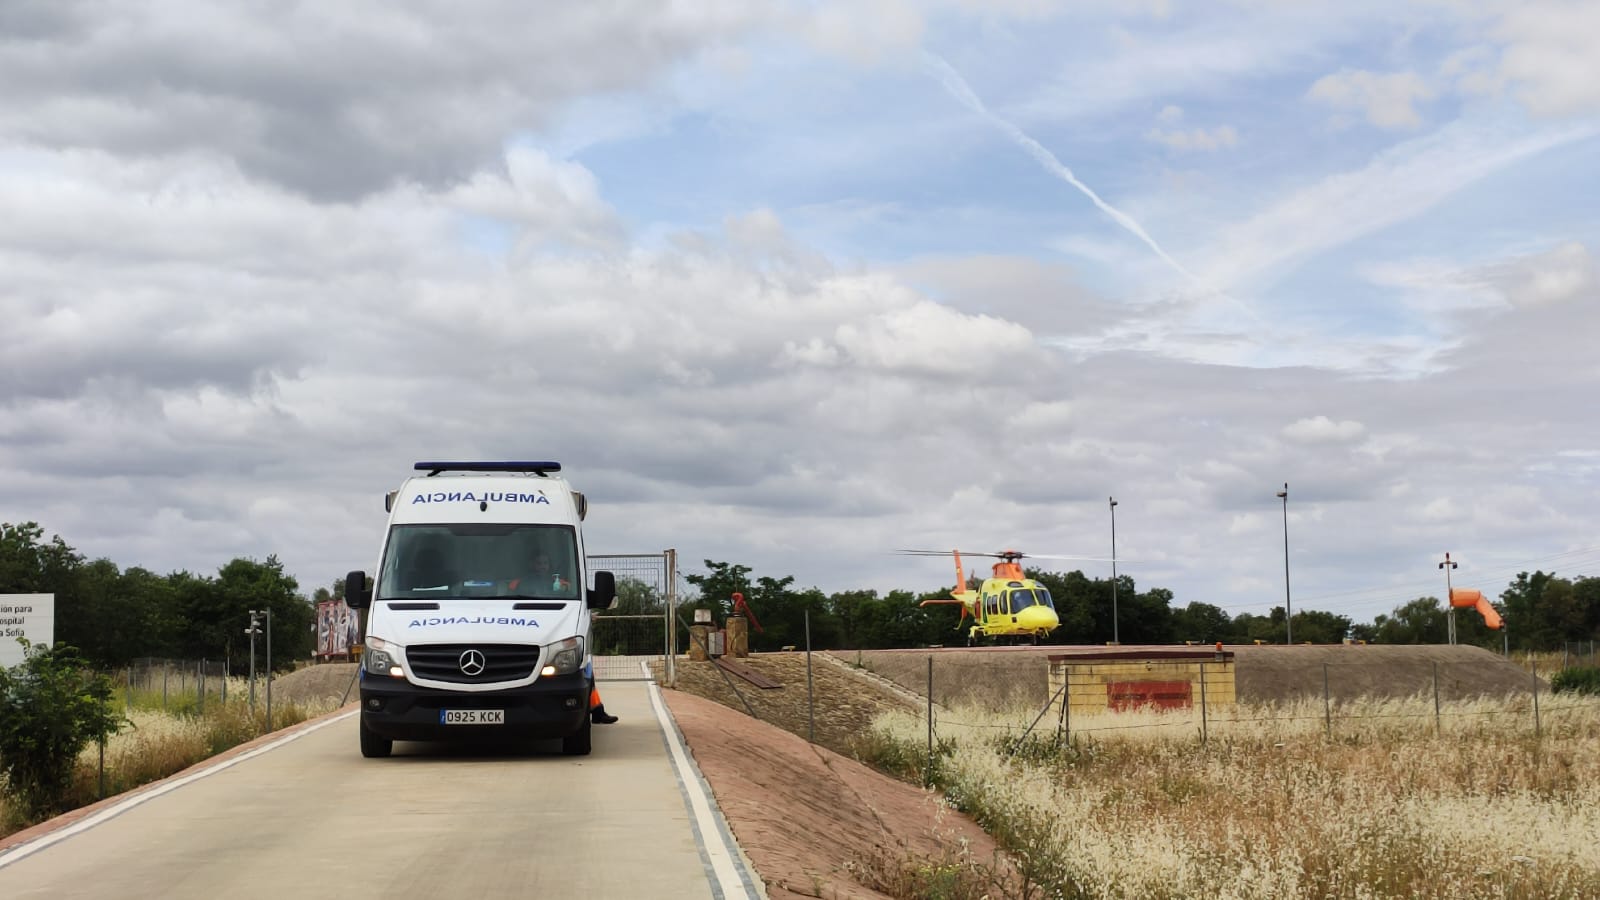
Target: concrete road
[309,817]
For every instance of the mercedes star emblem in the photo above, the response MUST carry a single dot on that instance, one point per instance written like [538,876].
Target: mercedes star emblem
[472,663]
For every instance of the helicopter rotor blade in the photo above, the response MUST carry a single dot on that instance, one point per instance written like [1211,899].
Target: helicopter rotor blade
[947,553]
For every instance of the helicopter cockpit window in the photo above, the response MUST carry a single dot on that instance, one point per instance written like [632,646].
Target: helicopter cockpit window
[1026,597]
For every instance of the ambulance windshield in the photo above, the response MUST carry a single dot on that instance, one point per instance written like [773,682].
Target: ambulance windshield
[443,562]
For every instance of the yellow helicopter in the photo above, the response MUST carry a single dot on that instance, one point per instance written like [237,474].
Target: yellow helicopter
[1006,604]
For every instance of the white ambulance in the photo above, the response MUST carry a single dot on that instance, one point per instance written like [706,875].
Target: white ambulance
[477,624]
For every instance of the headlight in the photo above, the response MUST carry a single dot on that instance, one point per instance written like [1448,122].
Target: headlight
[563,657]
[382,658]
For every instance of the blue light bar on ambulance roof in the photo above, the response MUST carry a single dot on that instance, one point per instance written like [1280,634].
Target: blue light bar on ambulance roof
[540,468]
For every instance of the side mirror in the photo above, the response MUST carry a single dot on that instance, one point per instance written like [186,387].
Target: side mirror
[356,593]
[604,592]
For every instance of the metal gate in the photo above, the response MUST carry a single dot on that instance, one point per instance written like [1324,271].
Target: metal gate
[633,640]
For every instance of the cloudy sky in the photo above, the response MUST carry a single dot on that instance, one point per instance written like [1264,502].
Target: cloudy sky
[797,284]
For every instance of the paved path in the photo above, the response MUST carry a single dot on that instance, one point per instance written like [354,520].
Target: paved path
[309,817]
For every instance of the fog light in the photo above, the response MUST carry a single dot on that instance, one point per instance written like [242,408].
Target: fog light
[396,672]
[374,703]
[547,671]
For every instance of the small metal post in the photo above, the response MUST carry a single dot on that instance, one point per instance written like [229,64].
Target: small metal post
[166,667]
[102,767]
[1204,728]
[1533,668]
[927,770]
[269,668]
[200,683]
[127,694]
[1327,703]
[1438,724]
[811,701]
[251,633]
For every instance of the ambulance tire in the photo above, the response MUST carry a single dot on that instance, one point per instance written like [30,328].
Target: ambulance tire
[577,743]
[374,746]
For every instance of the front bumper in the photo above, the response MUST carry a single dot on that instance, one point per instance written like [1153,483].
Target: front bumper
[550,707]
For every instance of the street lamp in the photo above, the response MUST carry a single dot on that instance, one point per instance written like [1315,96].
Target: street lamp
[252,631]
[1288,608]
[1449,607]
[1116,634]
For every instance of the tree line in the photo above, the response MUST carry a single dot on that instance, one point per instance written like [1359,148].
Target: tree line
[1541,612]
[113,615]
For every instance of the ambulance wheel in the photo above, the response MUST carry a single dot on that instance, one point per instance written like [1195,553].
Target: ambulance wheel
[577,743]
[373,745]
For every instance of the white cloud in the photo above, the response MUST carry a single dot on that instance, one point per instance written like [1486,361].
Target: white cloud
[1549,53]
[1195,139]
[1385,99]
[1323,430]
[1397,184]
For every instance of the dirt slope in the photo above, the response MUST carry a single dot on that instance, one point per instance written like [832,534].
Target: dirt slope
[812,822]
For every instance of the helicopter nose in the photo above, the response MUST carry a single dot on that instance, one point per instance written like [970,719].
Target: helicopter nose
[1038,617]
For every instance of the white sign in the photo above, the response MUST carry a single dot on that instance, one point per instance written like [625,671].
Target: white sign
[31,616]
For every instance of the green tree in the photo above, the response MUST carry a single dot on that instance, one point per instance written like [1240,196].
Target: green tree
[1320,627]
[52,705]
[31,565]
[1527,619]
[1201,622]
[717,587]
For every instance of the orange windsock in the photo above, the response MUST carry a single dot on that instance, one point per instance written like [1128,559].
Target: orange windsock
[1466,597]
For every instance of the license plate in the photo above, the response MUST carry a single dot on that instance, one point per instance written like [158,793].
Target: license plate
[472,717]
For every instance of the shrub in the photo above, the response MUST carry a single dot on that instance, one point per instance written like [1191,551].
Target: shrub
[52,705]
[1585,680]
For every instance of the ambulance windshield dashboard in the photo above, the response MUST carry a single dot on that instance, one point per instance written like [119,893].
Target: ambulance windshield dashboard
[445,562]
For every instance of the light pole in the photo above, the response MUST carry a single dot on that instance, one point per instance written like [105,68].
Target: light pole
[269,668]
[252,631]
[1288,608]
[1116,634]
[1450,608]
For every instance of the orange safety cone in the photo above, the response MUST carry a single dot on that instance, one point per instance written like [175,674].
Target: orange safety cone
[597,710]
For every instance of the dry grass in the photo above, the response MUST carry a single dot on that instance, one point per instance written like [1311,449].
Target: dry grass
[157,743]
[1271,806]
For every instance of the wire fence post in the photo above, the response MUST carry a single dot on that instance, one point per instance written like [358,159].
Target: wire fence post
[127,693]
[1327,702]
[811,702]
[166,667]
[927,770]
[102,767]
[1438,724]
[200,682]
[1204,728]
[1533,668]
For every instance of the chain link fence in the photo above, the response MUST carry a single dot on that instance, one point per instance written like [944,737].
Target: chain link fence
[175,685]
[1091,701]
[633,640]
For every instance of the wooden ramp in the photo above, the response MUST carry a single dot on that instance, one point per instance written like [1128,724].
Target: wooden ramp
[745,672]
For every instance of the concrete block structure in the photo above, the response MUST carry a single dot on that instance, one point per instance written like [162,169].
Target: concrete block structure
[1125,678]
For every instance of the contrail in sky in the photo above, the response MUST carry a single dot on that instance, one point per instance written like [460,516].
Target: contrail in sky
[959,89]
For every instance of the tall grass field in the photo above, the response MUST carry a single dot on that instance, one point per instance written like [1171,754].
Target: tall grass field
[157,742]
[1394,802]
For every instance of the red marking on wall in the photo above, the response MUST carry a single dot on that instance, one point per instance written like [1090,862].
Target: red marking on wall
[1124,695]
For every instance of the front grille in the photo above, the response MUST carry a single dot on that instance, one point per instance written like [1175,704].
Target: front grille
[501,662]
